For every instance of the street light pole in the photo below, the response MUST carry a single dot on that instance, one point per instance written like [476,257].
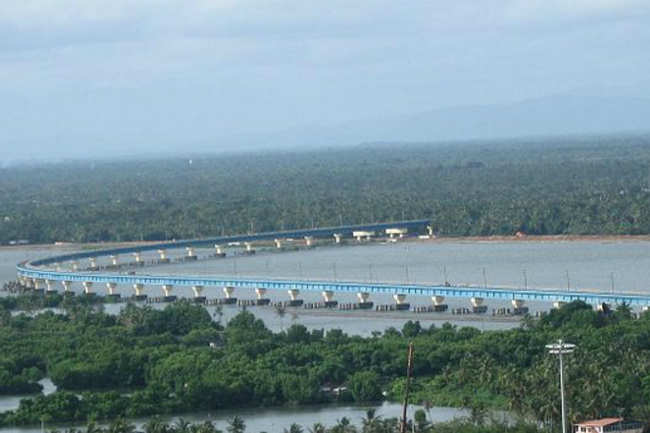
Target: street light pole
[560,348]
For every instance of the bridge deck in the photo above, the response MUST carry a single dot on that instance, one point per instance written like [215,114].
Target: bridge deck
[32,270]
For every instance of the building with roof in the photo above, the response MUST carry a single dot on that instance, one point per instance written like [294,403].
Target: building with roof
[605,425]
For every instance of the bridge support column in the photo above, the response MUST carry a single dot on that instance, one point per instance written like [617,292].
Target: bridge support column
[261,300]
[88,288]
[138,259]
[328,296]
[293,295]
[309,241]
[558,304]
[115,260]
[229,299]
[66,288]
[438,303]
[191,255]
[74,265]
[93,263]
[163,256]
[400,302]
[518,307]
[337,238]
[278,243]
[198,298]
[430,231]
[38,285]
[167,291]
[50,287]
[57,266]
[477,305]
[249,248]
[364,301]
[138,288]
[219,251]
[111,291]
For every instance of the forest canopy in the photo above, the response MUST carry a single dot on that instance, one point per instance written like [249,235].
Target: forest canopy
[575,185]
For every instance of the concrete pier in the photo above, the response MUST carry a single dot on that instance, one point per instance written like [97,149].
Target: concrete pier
[438,304]
[88,288]
[138,259]
[477,305]
[309,241]
[66,288]
[337,238]
[167,292]
[328,296]
[229,299]
[198,297]
[138,288]
[163,256]
[294,301]
[364,301]
[261,300]
[93,264]
[110,286]
[191,255]
[218,251]
[518,307]
[400,302]
[249,248]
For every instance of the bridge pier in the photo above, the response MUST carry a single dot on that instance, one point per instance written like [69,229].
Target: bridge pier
[197,294]
[477,305]
[261,300]
[138,288]
[328,296]
[163,256]
[190,254]
[74,265]
[518,307]
[167,291]
[438,305]
[399,232]
[115,260]
[359,235]
[364,302]
[138,259]
[558,304]
[229,299]
[249,248]
[50,287]
[110,286]
[88,288]
[400,302]
[337,238]
[93,264]
[38,285]
[294,301]
[66,288]
[309,241]
[278,243]
[218,251]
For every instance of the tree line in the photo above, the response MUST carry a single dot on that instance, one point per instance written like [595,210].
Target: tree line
[146,362]
[574,185]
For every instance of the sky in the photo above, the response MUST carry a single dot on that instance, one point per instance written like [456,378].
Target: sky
[117,77]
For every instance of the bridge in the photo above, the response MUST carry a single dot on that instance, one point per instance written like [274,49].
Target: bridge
[37,270]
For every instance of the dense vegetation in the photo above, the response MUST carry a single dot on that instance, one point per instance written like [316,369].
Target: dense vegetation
[371,423]
[562,186]
[144,362]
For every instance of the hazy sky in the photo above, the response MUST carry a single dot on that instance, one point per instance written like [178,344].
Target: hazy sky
[91,76]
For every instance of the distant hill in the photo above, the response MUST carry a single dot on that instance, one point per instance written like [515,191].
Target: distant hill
[555,115]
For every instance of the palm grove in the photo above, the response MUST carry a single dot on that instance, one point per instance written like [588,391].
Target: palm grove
[574,185]
[144,362]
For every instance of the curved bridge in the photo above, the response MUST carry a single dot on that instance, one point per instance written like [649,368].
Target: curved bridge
[36,270]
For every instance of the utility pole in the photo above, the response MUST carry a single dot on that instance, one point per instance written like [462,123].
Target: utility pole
[409,373]
[561,348]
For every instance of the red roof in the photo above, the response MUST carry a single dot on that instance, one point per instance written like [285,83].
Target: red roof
[600,422]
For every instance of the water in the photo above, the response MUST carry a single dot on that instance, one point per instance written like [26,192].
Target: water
[10,402]
[601,265]
[275,420]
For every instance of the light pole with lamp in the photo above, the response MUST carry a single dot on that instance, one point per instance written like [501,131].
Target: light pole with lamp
[561,348]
